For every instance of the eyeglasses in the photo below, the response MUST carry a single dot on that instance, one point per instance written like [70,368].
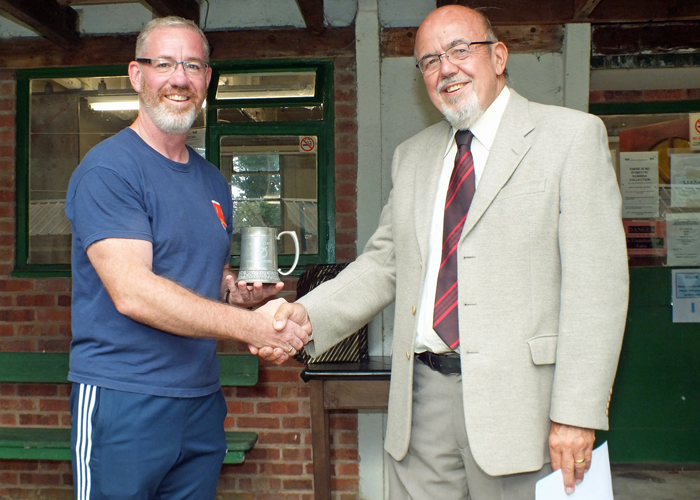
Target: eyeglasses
[430,63]
[168,66]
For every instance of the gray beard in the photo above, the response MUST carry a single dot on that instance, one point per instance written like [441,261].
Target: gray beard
[168,121]
[465,116]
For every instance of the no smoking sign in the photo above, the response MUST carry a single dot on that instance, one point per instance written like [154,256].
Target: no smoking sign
[694,122]
[307,144]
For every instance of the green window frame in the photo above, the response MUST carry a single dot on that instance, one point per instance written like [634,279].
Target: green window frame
[323,129]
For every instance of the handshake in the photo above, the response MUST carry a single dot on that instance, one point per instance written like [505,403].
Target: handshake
[279,329]
[291,325]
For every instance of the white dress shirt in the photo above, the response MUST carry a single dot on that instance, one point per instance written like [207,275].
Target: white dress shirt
[484,131]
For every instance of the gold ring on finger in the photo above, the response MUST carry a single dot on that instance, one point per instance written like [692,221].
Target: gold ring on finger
[580,461]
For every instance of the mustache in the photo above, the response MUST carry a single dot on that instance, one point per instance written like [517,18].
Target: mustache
[450,80]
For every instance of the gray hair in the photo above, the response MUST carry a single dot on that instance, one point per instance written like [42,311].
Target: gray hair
[165,22]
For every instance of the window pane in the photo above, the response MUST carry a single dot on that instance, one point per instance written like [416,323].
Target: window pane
[279,114]
[266,85]
[658,173]
[273,183]
[64,126]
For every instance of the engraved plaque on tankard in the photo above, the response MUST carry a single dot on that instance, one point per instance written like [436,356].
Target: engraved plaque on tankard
[259,254]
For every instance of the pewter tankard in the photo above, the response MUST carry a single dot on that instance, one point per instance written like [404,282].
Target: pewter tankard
[259,254]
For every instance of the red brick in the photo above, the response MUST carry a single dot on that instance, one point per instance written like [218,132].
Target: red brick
[345,205]
[279,375]
[344,126]
[35,300]
[623,95]
[351,469]
[345,111]
[297,484]
[40,419]
[345,423]
[276,407]
[260,453]
[16,285]
[348,158]
[17,404]
[39,479]
[258,391]
[53,285]
[54,405]
[9,420]
[258,423]
[694,94]
[7,120]
[7,104]
[344,484]
[343,454]
[64,300]
[16,315]
[9,478]
[344,79]
[51,315]
[7,136]
[37,389]
[344,95]
[296,423]
[240,407]
[665,95]
[6,330]
[282,469]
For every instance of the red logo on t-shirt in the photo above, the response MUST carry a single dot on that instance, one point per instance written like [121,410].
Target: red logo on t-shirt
[219,212]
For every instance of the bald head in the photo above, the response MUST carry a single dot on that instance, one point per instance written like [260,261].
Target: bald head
[462,63]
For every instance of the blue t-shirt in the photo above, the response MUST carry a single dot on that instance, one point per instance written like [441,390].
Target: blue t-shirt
[125,189]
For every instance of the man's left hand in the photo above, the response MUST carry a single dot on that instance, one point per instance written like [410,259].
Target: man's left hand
[244,294]
[570,450]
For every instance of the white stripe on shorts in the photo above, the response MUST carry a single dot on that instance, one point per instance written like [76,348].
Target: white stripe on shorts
[83,442]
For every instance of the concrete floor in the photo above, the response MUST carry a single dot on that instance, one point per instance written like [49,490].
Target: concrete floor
[632,484]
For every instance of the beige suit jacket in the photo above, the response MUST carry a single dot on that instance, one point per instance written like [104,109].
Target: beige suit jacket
[543,283]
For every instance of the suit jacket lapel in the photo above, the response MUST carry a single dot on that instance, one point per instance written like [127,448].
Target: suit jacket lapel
[427,174]
[509,147]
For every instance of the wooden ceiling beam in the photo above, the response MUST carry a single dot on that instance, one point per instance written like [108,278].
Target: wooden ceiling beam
[312,12]
[508,12]
[645,38]
[49,18]
[189,9]
[584,8]
[23,53]
[399,42]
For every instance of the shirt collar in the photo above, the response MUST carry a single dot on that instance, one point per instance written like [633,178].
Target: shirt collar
[485,128]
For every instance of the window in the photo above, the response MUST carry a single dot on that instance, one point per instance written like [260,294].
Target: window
[271,134]
[658,168]
[268,127]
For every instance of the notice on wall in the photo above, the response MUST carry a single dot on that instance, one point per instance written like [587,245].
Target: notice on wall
[694,124]
[683,239]
[639,184]
[686,295]
[685,180]
[645,237]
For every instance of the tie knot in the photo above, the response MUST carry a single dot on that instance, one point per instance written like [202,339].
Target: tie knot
[463,137]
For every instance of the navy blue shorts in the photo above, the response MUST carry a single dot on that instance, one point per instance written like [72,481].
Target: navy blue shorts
[140,447]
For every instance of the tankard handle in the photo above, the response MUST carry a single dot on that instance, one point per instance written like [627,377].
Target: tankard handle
[296,251]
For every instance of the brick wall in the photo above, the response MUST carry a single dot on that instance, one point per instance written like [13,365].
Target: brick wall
[35,316]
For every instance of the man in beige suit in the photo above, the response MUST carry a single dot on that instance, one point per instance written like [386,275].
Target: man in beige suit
[541,277]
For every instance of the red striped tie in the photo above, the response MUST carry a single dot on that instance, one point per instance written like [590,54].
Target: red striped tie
[459,196]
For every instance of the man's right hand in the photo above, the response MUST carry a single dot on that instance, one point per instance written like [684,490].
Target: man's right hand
[285,315]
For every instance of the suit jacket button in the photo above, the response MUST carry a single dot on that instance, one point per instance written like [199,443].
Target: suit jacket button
[408,355]
[413,310]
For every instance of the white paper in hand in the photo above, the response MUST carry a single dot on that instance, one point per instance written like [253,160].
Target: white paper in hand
[596,485]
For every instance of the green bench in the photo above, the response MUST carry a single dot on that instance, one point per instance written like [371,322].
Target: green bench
[46,443]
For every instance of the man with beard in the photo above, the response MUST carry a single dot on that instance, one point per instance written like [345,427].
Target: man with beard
[509,311]
[152,290]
